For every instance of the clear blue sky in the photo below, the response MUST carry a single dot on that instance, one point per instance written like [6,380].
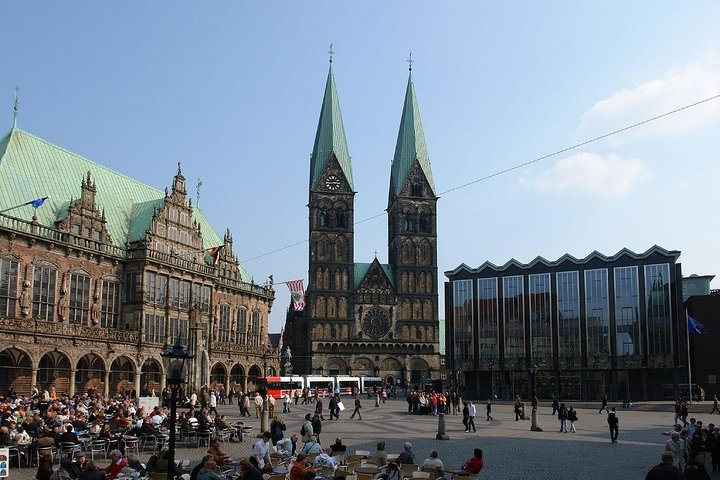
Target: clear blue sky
[234,89]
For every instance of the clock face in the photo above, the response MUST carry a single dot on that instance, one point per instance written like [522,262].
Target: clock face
[332,182]
[376,323]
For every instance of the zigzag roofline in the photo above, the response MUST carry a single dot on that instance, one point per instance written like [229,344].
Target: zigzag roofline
[567,257]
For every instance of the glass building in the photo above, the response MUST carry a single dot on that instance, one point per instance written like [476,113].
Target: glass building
[587,327]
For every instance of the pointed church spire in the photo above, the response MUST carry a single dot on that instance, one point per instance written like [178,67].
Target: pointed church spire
[330,136]
[410,143]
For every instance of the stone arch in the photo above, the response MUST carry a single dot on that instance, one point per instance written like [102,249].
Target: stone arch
[407,252]
[122,374]
[363,366]
[428,310]
[424,253]
[419,369]
[150,373]
[344,279]
[417,309]
[237,377]
[90,373]
[54,371]
[326,330]
[341,249]
[331,307]
[405,313]
[15,371]
[320,307]
[326,278]
[411,282]
[218,373]
[253,373]
[342,308]
[335,366]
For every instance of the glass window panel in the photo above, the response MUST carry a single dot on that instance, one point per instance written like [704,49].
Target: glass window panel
[568,315]
[597,315]
[463,320]
[44,293]
[541,318]
[224,324]
[627,307]
[79,304]
[514,317]
[241,331]
[110,306]
[659,317]
[488,320]
[8,287]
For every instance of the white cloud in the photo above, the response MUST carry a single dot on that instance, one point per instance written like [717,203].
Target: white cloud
[680,87]
[608,176]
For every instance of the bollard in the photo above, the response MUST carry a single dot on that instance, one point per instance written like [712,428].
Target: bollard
[441,435]
[377,400]
[535,426]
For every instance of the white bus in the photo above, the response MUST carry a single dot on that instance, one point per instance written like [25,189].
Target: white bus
[346,384]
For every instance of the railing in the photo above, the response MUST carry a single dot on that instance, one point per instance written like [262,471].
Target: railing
[47,233]
[55,329]
[171,260]
[245,349]
[245,287]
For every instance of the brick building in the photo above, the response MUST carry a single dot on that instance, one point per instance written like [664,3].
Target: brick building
[108,272]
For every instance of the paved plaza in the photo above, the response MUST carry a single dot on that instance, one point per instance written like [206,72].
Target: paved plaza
[511,450]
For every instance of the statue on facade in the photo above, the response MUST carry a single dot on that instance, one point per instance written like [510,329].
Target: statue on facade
[288,354]
[195,317]
[94,313]
[62,308]
[25,299]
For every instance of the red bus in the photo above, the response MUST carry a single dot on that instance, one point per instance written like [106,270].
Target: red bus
[278,386]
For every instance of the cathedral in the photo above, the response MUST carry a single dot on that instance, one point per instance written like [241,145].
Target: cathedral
[371,318]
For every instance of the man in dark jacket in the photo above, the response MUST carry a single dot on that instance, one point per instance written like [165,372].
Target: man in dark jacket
[665,471]
[317,425]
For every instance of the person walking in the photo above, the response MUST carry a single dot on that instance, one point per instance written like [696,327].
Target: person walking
[572,418]
[604,405]
[358,406]
[488,411]
[715,406]
[471,417]
[465,415]
[563,417]
[555,405]
[613,424]
[518,410]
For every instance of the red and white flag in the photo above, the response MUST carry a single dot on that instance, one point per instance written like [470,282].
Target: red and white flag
[297,290]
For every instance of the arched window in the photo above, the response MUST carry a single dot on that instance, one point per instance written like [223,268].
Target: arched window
[424,223]
[408,223]
[241,337]
[341,218]
[255,329]
[324,218]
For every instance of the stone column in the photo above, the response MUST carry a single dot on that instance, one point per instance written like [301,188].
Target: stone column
[72,382]
[137,383]
[227,383]
[163,383]
[33,378]
[107,383]
[244,383]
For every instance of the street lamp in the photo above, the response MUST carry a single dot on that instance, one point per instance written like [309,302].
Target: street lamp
[175,362]
[264,420]
[491,364]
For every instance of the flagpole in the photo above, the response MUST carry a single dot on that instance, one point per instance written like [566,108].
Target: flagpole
[687,330]
[21,205]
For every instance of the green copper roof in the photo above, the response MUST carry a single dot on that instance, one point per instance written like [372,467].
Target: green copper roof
[361,270]
[31,168]
[410,144]
[330,136]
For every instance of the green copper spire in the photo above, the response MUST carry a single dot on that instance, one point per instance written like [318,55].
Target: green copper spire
[410,144]
[330,136]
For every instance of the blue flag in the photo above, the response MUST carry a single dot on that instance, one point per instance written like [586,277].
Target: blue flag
[695,327]
[38,202]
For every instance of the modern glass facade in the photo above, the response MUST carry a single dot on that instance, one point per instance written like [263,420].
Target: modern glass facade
[541,346]
[463,321]
[598,326]
[488,318]
[597,314]
[514,318]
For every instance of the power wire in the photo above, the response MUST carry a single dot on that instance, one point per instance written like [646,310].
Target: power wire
[520,165]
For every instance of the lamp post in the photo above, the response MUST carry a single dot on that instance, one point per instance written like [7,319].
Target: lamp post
[534,426]
[175,361]
[264,420]
[491,364]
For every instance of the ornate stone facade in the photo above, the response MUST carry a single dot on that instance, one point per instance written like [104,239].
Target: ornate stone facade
[80,312]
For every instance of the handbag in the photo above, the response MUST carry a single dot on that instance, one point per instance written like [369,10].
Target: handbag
[340,406]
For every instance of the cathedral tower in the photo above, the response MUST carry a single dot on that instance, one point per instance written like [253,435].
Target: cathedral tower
[412,226]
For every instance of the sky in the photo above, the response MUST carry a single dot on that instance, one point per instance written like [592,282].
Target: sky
[233,89]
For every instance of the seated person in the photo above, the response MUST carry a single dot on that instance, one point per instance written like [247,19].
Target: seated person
[338,446]
[407,457]
[69,436]
[218,455]
[311,446]
[116,464]
[297,471]
[159,463]
[134,463]
[261,452]
[325,459]
[379,458]
[92,472]
[209,471]
[195,471]
[222,423]
[433,463]
[475,464]
[250,471]
[286,447]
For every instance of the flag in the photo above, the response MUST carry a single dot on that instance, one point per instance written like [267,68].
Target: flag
[695,327]
[297,290]
[36,203]
[214,253]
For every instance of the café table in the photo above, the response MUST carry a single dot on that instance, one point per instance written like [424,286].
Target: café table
[456,471]
[368,469]
[392,457]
